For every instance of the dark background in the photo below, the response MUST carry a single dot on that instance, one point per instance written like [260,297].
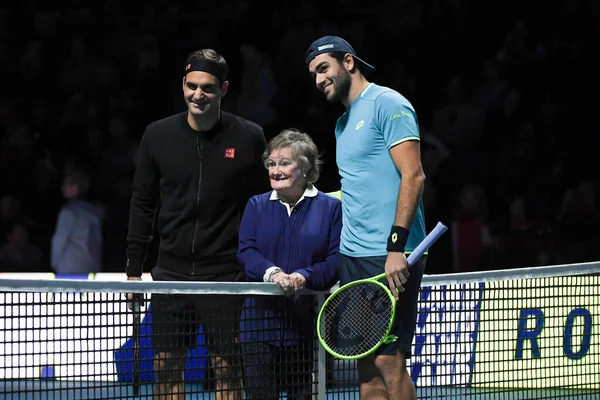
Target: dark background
[505,93]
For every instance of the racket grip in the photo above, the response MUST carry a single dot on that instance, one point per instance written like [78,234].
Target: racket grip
[426,243]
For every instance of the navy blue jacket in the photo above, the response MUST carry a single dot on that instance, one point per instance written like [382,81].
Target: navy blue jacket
[307,242]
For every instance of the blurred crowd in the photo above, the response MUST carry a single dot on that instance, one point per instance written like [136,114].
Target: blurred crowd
[504,92]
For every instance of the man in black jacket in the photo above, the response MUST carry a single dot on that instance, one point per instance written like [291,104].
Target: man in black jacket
[203,165]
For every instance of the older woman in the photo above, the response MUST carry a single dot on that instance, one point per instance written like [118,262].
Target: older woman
[289,236]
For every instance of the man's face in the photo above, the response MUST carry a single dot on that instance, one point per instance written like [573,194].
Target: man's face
[331,77]
[203,93]
[70,189]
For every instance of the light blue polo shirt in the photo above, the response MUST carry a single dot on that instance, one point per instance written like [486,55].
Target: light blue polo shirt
[379,119]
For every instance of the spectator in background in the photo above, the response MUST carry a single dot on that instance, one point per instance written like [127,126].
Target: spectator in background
[113,176]
[10,209]
[499,252]
[516,47]
[290,236]
[45,173]
[77,242]
[18,254]
[433,155]
[80,114]
[516,240]
[78,68]
[33,64]
[579,222]
[469,228]
[458,123]
[532,236]
[8,61]
[258,87]
[18,144]
[490,91]
[148,61]
[117,155]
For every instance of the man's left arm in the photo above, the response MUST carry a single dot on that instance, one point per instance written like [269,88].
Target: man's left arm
[407,158]
[400,129]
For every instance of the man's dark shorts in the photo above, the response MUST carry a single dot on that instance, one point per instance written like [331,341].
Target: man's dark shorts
[355,268]
[176,318]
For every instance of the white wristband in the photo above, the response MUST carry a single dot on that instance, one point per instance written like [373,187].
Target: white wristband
[270,272]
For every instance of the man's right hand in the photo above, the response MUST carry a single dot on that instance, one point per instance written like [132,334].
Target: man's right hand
[139,297]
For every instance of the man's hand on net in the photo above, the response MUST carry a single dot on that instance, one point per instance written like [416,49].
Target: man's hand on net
[131,297]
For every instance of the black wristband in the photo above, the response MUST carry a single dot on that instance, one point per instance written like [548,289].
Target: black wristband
[397,239]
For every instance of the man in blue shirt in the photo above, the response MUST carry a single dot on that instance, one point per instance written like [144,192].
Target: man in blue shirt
[378,156]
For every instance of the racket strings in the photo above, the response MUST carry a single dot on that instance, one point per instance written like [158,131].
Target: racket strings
[356,319]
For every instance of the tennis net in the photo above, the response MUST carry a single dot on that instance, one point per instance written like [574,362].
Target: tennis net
[530,333]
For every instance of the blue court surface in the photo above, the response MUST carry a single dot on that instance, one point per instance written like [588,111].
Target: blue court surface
[56,390]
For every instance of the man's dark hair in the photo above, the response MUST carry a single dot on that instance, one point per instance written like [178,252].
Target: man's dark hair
[209,55]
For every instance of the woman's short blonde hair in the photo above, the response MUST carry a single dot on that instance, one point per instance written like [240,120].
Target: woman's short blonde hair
[304,151]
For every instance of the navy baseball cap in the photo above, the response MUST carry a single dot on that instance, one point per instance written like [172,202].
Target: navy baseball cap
[335,44]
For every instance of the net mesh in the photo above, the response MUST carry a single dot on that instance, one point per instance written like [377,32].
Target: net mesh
[532,333]
[355,320]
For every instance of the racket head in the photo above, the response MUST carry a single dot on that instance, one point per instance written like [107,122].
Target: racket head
[356,319]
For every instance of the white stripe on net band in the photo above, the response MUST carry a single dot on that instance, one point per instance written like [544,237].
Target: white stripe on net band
[261,288]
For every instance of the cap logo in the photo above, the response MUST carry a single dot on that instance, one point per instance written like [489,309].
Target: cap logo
[326,46]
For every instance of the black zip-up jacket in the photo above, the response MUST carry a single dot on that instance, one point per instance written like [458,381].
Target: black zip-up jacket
[199,182]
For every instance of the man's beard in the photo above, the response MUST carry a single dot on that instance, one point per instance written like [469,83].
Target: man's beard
[341,87]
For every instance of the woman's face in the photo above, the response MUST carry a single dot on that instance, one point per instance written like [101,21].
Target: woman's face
[285,173]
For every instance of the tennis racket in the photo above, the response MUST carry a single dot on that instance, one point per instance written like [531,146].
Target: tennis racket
[137,321]
[357,318]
